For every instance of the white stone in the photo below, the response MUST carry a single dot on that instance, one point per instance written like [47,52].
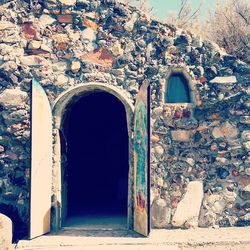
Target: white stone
[158,111]
[160,213]
[224,79]
[75,66]
[88,34]
[68,2]
[6,49]
[160,182]
[62,80]
[159,150]
[13,97]
[4,25]
[5,233]
[74,36]
[190,161]
[149,50]
[219,206]
[247,188]
[116,49]
[91,15]
[247,171]
[129,26]
[34,44]
[211,199]
[46,20]
[246,135]
[33,60]
[247,145]
[221,159]
[60,66]
[9,66]
[229,196]
[229,130]
[217,133]
[129,47]
[246,217]
[154,194]
[226,130]
[46,47]
[155,138]
[181,135]
[188,209]
[221,96]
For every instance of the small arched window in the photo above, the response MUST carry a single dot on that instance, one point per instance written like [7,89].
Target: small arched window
[177,89]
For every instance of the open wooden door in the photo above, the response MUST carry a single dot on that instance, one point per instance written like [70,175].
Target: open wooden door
[142,162]
[41,162]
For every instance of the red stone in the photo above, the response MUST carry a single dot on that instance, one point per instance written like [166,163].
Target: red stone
[174,202]
[214,147]
[203,79]
[1,149]
[169,159]
[65,18]
[99,56]
[215,116]
[235,173]
[90,24]
[59,28]
[28,31]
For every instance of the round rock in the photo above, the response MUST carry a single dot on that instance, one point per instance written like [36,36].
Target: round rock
[5,232]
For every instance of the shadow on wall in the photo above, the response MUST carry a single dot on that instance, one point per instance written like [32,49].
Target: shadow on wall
[20,229]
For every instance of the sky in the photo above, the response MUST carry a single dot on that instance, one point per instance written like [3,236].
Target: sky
[164,7]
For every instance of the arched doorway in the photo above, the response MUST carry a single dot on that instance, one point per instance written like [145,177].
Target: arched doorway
[95,175]
[66,132]
[92,155]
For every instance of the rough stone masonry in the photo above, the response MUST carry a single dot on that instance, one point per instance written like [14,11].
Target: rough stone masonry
[200,161]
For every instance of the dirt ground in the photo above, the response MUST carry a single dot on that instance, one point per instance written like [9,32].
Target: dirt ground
[198,239]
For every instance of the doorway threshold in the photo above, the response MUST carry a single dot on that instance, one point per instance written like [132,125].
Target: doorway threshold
[96,222]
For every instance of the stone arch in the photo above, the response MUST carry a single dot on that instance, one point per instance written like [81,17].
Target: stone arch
[58,110]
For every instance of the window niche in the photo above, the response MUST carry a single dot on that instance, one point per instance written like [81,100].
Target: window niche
[178,87]
[178,95]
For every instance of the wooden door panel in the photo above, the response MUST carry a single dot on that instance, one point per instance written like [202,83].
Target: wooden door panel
[41,162]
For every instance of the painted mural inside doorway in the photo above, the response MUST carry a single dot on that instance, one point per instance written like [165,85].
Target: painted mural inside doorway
[140,155]
[141,164]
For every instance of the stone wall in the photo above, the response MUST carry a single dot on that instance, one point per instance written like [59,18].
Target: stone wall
[200,148]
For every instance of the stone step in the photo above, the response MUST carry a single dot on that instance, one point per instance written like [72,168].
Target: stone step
[209,239]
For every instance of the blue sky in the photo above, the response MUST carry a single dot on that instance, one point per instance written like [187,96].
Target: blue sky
[163,7]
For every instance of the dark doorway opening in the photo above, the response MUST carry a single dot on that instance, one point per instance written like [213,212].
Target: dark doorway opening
[97,166]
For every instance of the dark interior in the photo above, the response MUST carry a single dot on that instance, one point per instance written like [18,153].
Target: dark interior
[97,156]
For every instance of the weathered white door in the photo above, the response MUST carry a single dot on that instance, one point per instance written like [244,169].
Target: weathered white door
[141,162]
[41,162]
